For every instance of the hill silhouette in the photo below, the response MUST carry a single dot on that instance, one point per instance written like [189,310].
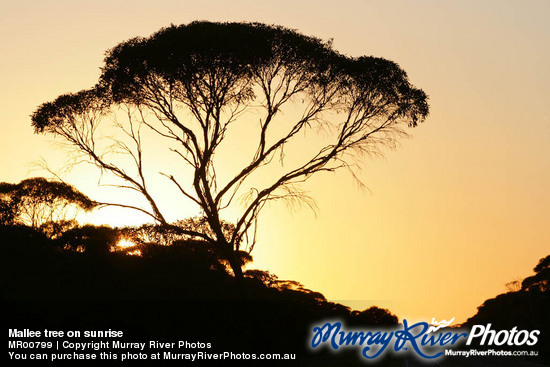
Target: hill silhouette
[169,293]
[526,309]
[79,279]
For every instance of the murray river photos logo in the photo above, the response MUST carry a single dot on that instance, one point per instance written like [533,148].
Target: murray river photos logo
[426,340]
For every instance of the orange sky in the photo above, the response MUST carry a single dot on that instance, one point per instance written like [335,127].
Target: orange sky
[452,215]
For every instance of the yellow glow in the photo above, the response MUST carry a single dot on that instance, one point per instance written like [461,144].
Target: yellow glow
[125,243]
[134,253]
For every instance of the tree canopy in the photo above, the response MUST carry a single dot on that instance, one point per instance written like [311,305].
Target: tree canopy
[191,84]
[541,280]
[37,201]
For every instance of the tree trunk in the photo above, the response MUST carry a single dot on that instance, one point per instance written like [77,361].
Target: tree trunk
[234,262]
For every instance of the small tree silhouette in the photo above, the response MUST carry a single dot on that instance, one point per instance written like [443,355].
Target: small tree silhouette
[93,240]
[541,280]
[41,204]
[191,85]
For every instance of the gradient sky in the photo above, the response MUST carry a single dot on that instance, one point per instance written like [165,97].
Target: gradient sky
[457,211]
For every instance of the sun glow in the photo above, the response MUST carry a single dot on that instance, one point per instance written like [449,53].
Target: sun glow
[125,243]
[134,253]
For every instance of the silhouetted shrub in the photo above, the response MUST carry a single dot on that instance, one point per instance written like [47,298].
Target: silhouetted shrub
[374,316]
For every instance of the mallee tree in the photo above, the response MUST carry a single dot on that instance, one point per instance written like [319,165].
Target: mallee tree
[191,85]
[40,203]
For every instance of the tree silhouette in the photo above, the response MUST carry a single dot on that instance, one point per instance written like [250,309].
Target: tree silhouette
[525,308]
[374,316]
[192,84]
[541,280]
[93,240]
[41,204]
